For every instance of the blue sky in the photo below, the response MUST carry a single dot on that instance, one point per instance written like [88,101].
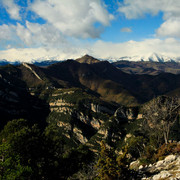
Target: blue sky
[61,29]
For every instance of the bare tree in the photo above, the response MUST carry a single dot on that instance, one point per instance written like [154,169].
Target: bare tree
[160,115]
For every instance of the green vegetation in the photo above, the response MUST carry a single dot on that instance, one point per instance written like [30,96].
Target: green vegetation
[26,153]
[58,152]
[75,127]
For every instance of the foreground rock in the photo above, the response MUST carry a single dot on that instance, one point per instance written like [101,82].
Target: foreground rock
[168,169]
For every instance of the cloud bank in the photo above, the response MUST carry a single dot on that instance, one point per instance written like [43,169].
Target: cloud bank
[68,25]
[170,9]
[100,49]
[65,18]
[75,18]
[12,8]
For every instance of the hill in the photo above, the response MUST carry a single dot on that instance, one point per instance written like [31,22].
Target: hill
[87,59]
[101,77]
[151,68]
[71,109]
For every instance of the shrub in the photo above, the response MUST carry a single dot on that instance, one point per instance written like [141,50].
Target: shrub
[176,150]
[166,149]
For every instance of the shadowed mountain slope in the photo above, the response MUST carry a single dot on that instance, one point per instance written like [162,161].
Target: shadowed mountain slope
[151,68]
[109,82]
[16,101]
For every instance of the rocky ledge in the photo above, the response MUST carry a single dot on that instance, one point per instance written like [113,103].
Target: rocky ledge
[167,169]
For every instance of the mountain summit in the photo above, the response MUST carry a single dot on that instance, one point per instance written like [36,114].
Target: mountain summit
[87,59]
[154,57]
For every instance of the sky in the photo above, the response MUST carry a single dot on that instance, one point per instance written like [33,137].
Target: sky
[108,29]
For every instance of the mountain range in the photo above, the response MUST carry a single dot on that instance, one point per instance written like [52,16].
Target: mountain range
[86,89]
[75,106]
[154,57]
[86,99]
[101,77]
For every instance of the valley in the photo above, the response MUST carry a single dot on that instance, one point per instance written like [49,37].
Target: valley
[82,103]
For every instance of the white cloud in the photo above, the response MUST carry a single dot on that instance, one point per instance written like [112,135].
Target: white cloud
[139,8]
[12,8]
[107,50]
[8,36]
[126,29]
[39,35]
[170,8]
[171,27]
[75,18]
[66,20]
[31,54]
[100,49]
[5,32]
[33,35]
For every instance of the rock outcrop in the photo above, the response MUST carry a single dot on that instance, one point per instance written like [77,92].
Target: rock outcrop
[87,120]
[101,109]
[126,113]
[167,169]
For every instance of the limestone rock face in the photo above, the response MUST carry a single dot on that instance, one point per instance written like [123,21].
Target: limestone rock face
[168,169]
[135,164]
[59,105]
[170,158]
[103,132]
[80,136]
[100,108]
[87,121]
[84,118]
[161,175]
[96,123]
[126,113]
[66,126]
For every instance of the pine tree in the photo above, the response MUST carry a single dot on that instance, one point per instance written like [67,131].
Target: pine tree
[107,164]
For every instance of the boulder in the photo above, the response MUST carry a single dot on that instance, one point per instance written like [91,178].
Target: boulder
[169,169]
[159,163]
[134,164]
[126,113]
[170,158]
[161,175]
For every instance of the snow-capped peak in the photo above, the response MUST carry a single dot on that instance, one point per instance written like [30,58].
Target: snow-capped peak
[154,57]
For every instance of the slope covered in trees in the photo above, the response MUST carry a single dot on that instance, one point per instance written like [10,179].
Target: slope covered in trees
[77,120]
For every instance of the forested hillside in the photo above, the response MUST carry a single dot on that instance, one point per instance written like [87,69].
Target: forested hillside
[85,119]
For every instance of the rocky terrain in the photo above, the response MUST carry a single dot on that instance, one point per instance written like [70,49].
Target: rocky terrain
[86,118]
[88,99]
[168,168]
[151,68]
[80,104]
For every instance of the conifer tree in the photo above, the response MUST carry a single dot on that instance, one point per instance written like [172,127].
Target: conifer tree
[107,164]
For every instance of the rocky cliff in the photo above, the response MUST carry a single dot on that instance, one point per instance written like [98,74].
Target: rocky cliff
[166,169]
[86,119]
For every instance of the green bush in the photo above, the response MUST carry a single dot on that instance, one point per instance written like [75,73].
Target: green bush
[166,149]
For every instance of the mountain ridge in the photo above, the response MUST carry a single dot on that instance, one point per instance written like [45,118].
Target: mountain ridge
[102,77]
[154,57]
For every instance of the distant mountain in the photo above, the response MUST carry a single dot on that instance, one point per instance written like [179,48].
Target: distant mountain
[79,98]
[89,59]
[101,77]
[147,67]
[5,62]
[37,63]
[45,63]
[152,58]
